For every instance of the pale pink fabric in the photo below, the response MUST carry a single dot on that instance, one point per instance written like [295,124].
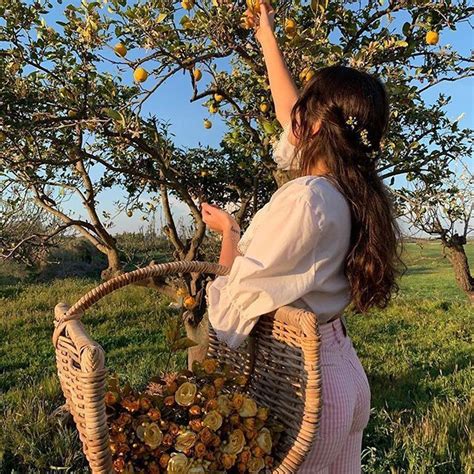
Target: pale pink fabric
[345,406]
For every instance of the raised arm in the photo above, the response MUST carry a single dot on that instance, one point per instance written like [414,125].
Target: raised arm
[282,86]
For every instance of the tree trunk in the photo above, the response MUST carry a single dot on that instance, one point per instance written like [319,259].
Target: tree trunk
[460,264]
[200,335]
[115,266]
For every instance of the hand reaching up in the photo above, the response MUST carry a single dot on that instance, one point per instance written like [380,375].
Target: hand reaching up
[264,22]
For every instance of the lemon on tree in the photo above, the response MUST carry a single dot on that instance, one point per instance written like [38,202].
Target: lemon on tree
[187,4]
[197,74]
[253,6]
[218,98]
[120,49]
[290,27]
[432,37]
[306,74]
[140,74]
[207,124]
[213,108]
[264,107]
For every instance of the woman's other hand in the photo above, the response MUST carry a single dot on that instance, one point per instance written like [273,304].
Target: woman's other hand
[217,219]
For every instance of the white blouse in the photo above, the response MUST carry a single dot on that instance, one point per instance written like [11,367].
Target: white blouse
[293,252]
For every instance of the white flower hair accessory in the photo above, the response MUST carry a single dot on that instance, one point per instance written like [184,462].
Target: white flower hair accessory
[363,134]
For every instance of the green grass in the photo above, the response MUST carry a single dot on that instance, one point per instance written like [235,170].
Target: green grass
[417,353]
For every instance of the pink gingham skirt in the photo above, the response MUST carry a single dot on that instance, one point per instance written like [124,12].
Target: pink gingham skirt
[345,406]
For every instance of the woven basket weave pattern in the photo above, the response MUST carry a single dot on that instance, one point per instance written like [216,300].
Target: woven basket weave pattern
[281,359]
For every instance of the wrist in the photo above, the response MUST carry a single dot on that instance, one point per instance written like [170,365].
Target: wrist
[267,38]
[232,229]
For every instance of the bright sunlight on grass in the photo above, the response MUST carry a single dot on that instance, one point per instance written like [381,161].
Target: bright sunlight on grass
[418,356]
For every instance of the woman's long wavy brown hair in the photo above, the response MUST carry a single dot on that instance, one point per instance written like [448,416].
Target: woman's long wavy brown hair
[353,108]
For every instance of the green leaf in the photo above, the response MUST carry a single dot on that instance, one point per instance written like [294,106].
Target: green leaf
[406,28]
[184,343]
[113,114]
[268,127]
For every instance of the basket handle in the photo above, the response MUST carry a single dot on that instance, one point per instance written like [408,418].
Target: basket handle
[160,269]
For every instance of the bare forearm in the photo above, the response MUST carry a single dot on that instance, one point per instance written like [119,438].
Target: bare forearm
[230,238]
[283,88]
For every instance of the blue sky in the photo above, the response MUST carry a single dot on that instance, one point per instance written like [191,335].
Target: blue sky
[171,103]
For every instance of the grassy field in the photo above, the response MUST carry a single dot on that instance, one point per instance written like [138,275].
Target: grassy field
[418,356]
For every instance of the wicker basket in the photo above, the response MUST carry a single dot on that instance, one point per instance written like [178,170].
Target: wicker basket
[281,358]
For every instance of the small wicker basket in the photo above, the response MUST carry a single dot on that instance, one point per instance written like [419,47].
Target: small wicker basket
[281,358]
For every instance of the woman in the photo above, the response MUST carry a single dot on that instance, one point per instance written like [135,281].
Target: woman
[326,238]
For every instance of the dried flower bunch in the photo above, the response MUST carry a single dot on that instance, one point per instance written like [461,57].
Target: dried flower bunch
[196,422]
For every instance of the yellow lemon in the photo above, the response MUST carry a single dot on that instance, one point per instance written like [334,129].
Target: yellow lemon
[432,37]
[207,124]
[187,4]
[140,74]
[197,74]
[309,75]
[264,107]
[120,49]
[290,27]
[213,108]
[253,6]
[218,97]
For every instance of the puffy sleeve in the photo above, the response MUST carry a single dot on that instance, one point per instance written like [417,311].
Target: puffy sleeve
[284,150]
[277,268]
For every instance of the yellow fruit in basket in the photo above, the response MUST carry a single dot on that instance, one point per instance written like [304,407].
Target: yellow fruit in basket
[185,441]
[154,414]
[178,464]
[255,465]
[432,37]
[236,442]
[228,461]
[140,74]
[262,413]
[120,49]
[248,408]
[111,398]
[197,74]
[185,394]
[152,435]
[189,302]
[264,440]
[224,405]
[213,420]
[237,401]
[209,366]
